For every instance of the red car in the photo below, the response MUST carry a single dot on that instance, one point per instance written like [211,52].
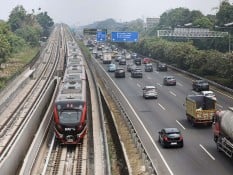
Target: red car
[146,60]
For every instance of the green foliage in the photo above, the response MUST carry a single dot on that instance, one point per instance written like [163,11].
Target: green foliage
[203,22]
[178,17]
[17,17]
[46,22]
[17,43]
[4,48]
[29,34]
[22,30]
[225,13]
[210,64]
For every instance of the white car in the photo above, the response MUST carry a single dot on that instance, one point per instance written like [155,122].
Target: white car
[150,92]
[209,94]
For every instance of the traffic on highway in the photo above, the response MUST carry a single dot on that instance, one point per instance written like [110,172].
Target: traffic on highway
[191,148]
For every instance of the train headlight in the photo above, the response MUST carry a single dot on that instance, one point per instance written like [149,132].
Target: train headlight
[59,127]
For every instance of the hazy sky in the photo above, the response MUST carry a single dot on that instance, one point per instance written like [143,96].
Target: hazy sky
[81,12]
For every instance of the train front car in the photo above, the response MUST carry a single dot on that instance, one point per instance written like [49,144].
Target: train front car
[70,110]
[70,121]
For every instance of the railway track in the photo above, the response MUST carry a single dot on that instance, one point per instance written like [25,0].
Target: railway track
[19,109]
[66,160]
[22,106]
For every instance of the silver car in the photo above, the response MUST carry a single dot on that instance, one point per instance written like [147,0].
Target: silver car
[150,92]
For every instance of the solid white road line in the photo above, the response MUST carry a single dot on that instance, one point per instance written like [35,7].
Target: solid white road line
[222,93]
[180,124]
[161,106]
[172,93]
[212,157]
[219,105]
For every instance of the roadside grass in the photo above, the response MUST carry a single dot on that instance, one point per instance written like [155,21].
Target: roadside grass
[15,64]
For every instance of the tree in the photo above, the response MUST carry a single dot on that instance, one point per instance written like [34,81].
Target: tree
[17,17]
[225,13]
[46,23]
[4,48]
[30,34]
[203,22]
[175,17]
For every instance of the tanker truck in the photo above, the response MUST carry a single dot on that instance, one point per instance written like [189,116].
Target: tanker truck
[223,131]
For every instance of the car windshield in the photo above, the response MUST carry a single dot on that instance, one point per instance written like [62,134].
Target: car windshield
[150,88]
[70,116]
[170,78]
[172,131]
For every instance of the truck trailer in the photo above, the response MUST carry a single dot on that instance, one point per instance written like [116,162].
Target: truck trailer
[107,58]
[223,131]
[200,109]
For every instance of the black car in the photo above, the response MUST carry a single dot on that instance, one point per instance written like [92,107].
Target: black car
[137,61]
[169,81]
[161,67]
[148,67]
[169,137]
[136,73]
[200,85]
[120,73]
[122,61]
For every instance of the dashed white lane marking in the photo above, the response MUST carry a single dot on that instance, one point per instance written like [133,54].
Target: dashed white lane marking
[161,106]
[159,84]
[149,78]
[138,85]
[180,124]
[212,157]
[179,84]
[172,93]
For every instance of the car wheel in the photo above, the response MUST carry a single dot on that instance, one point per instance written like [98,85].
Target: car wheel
[192,123]
[163,144]
[181,145]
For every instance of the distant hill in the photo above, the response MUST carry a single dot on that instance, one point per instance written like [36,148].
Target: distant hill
[112,25]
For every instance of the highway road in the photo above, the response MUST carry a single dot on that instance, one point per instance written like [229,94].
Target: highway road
[199,154]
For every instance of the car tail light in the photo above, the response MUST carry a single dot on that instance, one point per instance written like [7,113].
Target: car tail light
[165,138]
[181,138]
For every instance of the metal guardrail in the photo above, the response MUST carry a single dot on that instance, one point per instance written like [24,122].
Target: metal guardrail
[92,79]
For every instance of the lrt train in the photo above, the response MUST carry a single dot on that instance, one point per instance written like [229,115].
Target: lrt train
[70,109]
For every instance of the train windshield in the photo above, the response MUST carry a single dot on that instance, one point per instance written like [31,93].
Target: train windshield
[70,116]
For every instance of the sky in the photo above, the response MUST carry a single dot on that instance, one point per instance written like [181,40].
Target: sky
[83,12]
